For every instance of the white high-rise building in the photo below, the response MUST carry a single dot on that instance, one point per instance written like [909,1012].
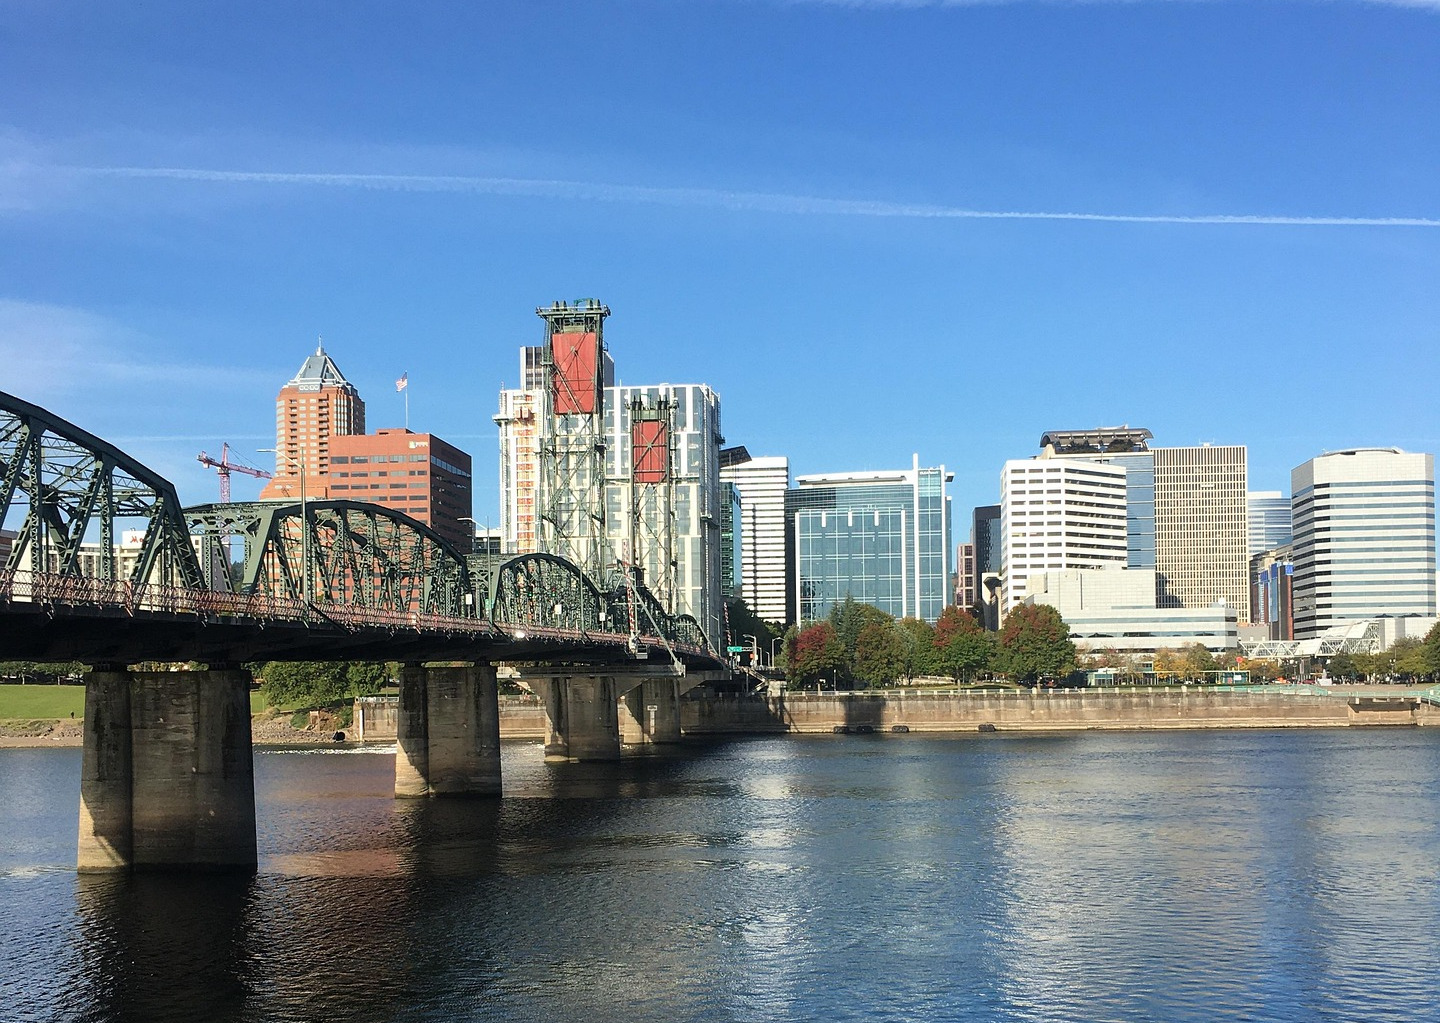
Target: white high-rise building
[761,484]
[1058,513]
[1364,547]
[688,575]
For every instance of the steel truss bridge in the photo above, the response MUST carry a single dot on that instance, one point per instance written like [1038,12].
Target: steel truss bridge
[105,566]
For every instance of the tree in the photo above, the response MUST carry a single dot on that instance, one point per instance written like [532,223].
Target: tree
[1432,650]
[317,683]
[961,645]
[848,618]
[1410,658]
[1343,665]
[921,657]
[1167,663]
[1035,643]
[1196,660]
[879,653]
[817,653]
[742,623]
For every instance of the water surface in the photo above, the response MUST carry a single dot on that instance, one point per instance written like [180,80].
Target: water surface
[1279,875]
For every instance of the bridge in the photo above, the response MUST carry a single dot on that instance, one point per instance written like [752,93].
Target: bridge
[107,568]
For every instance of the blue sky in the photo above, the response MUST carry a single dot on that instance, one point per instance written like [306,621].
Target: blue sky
[874,228]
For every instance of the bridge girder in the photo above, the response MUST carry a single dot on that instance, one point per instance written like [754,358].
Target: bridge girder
[360,555]
[71,484]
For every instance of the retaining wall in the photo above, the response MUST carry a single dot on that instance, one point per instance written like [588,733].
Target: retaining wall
[1049,710]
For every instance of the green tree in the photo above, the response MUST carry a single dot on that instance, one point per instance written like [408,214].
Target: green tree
[1343,665]
[848,618]
[1034,644]
[1411,659]
[921,657]
[1196,660]
[961,645]
[880,653]
[318,683]
[1432,650]
[742,623]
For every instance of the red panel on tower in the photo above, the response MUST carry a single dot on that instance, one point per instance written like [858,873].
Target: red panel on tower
[650,450]
[577,373]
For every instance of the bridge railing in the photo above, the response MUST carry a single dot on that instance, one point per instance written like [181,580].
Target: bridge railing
[19,586]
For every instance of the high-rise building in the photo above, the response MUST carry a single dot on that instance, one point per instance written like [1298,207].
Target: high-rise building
[1186,513]
[1058,513]
[761,483]
[985,537]
[1272,600]
[882,538]
[317,404]
[1364,542]
[415,473]
[668,527]
[1201,526]
[664,518]
[966,581]
[1129,448]
[1269,520]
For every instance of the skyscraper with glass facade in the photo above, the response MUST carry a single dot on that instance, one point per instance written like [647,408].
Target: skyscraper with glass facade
[882,538]
[1269,514]
[1364,537]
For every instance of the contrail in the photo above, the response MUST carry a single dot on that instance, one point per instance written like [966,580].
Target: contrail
[764,202]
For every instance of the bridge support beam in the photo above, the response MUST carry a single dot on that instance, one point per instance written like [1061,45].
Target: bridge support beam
[448,731]
[581,718]
[650,713]
[167,779]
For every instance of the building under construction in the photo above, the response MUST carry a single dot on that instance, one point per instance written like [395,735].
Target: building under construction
[615,479]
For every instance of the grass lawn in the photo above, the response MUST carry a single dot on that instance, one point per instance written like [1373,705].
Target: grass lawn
[42,701]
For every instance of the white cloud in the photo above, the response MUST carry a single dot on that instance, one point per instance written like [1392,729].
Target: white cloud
[764,202]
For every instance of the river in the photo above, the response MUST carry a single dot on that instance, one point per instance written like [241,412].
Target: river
[1167,876]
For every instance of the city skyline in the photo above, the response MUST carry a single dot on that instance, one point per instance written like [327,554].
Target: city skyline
[874,230]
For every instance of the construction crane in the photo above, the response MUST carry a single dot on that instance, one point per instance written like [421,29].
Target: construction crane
[225,467]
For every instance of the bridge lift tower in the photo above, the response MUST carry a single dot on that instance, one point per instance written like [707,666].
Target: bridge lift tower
[570,492]
[652,495]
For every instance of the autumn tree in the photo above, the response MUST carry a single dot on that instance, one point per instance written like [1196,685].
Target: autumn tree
[817,653]
[1035,643]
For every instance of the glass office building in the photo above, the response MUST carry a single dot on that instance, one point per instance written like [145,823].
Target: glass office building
[882,538]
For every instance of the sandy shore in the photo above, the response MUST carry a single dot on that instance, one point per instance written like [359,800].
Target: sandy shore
[264,731]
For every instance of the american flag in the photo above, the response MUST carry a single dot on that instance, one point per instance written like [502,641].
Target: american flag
[403,382]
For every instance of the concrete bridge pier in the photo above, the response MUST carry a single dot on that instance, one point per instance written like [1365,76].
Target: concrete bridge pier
[167,779]
[580,715]
[650,712]
[448,731]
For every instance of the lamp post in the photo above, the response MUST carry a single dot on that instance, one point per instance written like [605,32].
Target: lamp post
[777,639]
[754,653]
[306,584]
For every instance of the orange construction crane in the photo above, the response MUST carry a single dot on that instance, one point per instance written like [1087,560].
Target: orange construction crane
[225,467]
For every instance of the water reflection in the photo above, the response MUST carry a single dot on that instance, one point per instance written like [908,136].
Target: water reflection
[1187,877]
[163,948]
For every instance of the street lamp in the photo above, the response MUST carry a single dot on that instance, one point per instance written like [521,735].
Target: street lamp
[754,653]
[306,585]
[777,639]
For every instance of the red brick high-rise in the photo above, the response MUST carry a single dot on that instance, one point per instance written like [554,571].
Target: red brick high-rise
[317,405]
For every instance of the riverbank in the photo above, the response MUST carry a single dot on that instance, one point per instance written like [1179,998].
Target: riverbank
[266,729]
[1045,710]
[1050,710]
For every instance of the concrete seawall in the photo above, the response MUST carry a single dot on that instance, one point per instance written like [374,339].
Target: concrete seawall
[1052,710]
[523,717]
